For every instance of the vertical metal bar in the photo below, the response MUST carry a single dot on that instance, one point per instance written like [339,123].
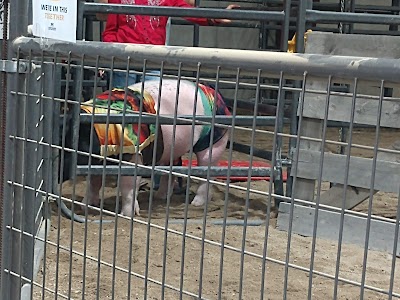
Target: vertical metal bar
[277,146]
[300,30]
[32,208]
[196,29]
[80,16]
[292,201]
[103,181]
[285,28]
[395,3]
[353,9]
[56,154]
[292,141]
[135,179]
[92,132]
[119,179]
[10,284]
[321,168]
[29,172]
[187,193]
[10,240]
[49,122]
[301,24]
[275,151]
[264,32]
[75,109]
[151,197]
[89,30]
[203,233]
[346,180]
[101,29]
[61,170]
[228,178]
[169,193]
[371,189]
[21,192]
[3,124]
[247,201]
[19,11]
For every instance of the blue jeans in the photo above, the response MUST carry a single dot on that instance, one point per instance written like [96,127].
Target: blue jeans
[119,78]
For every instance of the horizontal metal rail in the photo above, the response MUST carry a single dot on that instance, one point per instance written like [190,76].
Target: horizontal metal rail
[184,12]
[333,17]
[294,66]
[194,171]
[180,120]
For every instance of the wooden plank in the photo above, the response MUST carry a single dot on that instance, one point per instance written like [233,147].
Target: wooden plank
[340,106]
[387,177]
[366,110]
[354,229]
[384,46]
[334,196]
[303,188]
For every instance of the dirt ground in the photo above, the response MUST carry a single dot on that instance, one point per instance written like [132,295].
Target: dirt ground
[112,241]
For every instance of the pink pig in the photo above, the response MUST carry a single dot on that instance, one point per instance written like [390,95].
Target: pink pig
[182,140]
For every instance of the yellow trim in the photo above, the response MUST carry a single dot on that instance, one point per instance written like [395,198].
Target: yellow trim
[292,42]
[115,149]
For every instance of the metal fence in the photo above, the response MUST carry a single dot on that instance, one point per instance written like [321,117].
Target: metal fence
[229,247]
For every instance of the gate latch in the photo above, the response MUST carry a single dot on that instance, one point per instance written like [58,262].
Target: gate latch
[10,66]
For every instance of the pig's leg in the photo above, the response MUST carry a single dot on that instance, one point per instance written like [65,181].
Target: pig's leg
[94,186]
[203,158]
[164,190]
[129,195]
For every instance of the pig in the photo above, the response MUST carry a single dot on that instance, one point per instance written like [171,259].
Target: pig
[182,140]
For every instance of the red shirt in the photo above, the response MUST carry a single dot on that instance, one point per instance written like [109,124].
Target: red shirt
[141,29]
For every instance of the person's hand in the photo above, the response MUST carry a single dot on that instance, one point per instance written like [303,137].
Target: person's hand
[225,21]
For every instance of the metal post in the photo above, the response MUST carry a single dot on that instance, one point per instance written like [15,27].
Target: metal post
[287,4]
[19,10]
[33,173]
[3,105]
[300,30]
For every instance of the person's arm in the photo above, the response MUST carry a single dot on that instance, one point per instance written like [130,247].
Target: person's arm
[191,2]
[99,16]
[110,32]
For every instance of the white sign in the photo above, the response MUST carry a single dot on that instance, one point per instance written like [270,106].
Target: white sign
[55,19]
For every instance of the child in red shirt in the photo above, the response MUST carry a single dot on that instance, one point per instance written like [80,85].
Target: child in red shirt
[142,29]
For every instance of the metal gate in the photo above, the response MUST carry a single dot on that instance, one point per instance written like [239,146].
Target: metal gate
[173,250]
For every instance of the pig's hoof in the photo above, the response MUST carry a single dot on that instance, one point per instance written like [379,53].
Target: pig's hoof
[128,212]
[198,201]
[137,208]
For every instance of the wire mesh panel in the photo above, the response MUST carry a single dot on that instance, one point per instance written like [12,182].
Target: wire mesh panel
[191,126]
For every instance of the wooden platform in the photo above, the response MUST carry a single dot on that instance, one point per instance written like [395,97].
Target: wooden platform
[306,167]
[354,231]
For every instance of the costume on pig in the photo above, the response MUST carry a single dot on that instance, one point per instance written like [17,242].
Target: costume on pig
[111,144]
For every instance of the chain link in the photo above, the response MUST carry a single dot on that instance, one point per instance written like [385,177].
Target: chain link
[342,9]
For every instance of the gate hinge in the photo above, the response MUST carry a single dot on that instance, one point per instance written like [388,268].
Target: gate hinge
[10,66]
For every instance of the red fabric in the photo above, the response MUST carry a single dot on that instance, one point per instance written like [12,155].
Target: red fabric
[143,31]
